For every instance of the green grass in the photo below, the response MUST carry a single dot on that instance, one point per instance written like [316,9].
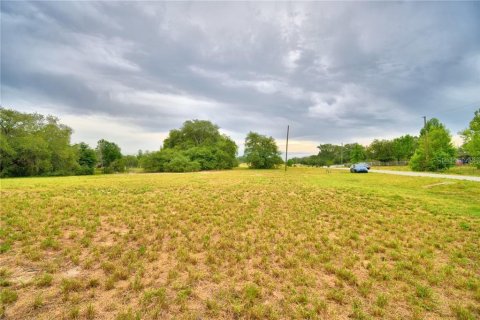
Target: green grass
[240,244]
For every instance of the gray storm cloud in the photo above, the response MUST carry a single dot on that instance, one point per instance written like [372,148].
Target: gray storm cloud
[333,71]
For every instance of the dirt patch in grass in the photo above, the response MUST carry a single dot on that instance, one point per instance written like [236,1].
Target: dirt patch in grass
[437,184]
[239,244]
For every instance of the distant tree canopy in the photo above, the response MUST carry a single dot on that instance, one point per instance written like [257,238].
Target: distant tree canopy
[109,156]
[404,147]
[261,152]
[357,153]
[328,154]
[35,145]
[381,150]
[435,150]
[87,158]
[398,149]
[197,145]
[32,144]
[313,161]
[471,139]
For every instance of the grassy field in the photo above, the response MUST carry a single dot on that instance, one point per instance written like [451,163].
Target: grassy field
[240,244]
[461,170]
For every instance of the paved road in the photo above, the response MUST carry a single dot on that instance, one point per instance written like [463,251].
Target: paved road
[423,174]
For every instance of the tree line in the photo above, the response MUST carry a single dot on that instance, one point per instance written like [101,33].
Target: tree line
[398,149]
[198,145]
[432,150]
[35,145]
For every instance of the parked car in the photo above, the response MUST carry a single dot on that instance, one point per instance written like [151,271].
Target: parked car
[359,168]
[364,164]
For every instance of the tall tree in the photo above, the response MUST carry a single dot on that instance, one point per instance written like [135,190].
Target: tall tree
[357,153]
[193,133]
[471,139]
[131,161]
[32,144]
[381,150]
[404,147]
[87,158]
[435,150]
[197,145]
[107,153]
[261,152]
[329,153]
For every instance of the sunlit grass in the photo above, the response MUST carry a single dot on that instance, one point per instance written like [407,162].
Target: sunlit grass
[240,244]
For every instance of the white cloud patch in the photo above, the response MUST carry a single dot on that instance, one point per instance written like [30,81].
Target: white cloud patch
[92,128]
[291,59]
[175,104]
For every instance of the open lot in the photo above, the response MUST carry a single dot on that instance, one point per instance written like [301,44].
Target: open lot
[240,244]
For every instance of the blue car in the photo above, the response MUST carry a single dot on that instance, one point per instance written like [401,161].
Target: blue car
[359,168]
[364,164]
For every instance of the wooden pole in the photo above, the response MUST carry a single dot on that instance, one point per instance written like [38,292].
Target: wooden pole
[341,154]
[426,137]
[286,148]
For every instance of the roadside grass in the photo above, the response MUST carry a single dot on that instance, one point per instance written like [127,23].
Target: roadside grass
[239,244]
[466,170]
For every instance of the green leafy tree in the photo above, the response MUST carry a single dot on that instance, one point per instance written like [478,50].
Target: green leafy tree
[313,161]
[344,153]
[404,147]
[155,161]
[107,153]
[357,153]
[329,154]
[32,144]
[200,142]
[181,163]
[131,161]
[381,150]
[168,160]
[194,133]
[435,150]
[471,139]
[261,152]
[118,165]
[87,159]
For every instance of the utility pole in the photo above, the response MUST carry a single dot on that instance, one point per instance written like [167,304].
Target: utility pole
[341,154]
[426,137]
[286,148]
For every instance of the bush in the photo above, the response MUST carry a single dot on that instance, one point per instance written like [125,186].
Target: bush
[418,161]
[261,152]
[83,170]
[441,161]
[435,150]
[198,145]
[169,160]
[118,165]
[182,163]
[205,156]
[212,158]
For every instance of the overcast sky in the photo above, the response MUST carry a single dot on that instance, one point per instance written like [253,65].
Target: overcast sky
[336,72]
